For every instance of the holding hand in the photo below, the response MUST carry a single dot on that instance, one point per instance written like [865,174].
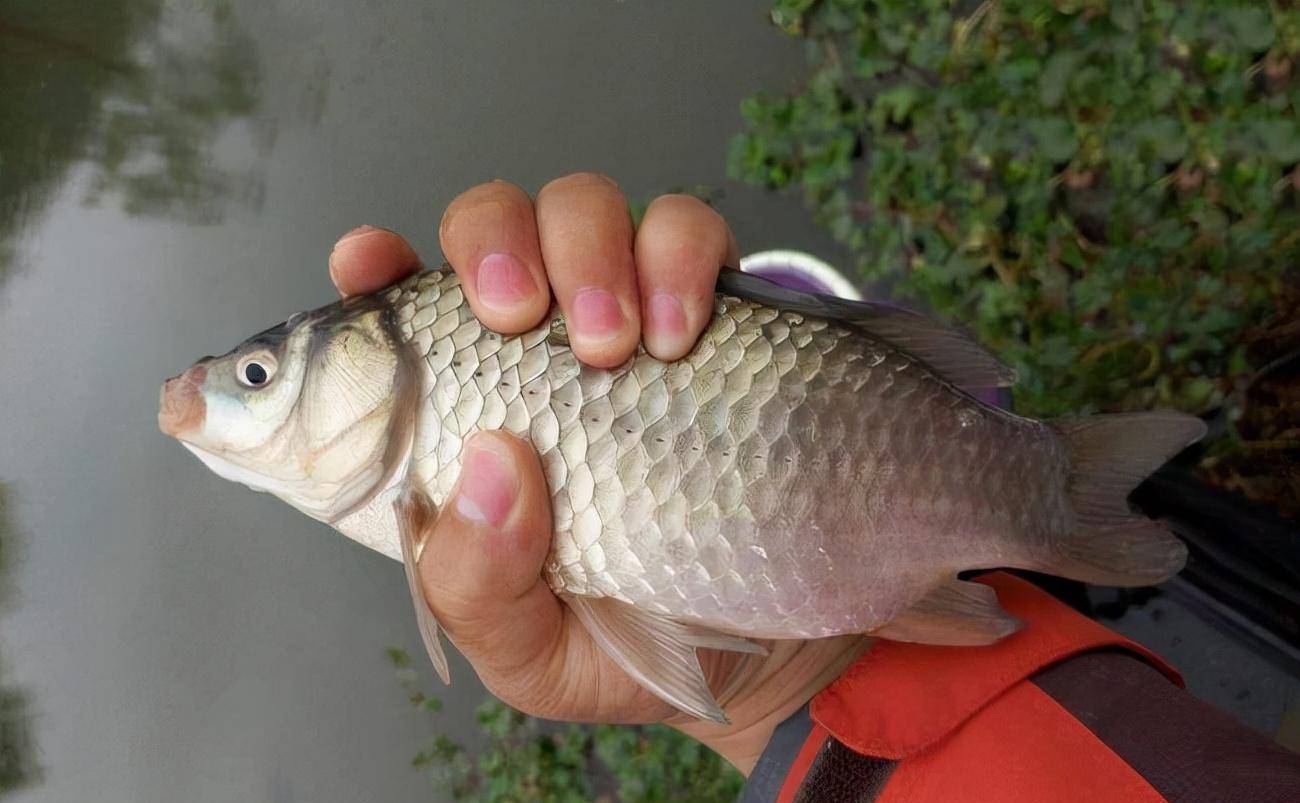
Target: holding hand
[482,566]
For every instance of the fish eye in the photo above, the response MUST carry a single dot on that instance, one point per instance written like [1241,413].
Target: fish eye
[256,369]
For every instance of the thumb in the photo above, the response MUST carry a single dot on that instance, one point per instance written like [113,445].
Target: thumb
[482,564]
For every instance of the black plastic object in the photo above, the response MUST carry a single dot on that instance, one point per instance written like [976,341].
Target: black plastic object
[1243,556]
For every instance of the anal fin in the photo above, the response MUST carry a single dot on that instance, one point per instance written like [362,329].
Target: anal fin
[415,512]
[955,613]
[658,652]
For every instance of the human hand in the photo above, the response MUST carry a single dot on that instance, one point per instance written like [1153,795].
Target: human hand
[482,564]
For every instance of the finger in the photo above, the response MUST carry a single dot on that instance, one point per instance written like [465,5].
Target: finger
[586,238]
[368,258]
[482,567]
[680,246]
[489,235]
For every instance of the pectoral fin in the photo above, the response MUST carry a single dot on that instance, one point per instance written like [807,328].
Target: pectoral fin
[659,653]
[955,613]
[415,513]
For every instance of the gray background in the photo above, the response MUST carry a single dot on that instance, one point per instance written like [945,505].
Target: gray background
[182,638]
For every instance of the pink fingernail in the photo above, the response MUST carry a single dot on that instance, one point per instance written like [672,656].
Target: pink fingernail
[666,313]
[504,282]
[596,314]
[665,329]
[488,487]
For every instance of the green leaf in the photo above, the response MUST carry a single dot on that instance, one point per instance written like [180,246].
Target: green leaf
[1053,81]
[1279,138]
[897,103]
[1054,137]
[1251,27]
[1176,140]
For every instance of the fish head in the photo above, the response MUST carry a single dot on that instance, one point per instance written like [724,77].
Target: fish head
[315,410]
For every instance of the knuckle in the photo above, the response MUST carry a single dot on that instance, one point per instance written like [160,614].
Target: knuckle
[496,199]
[497,190]
[686,219]
[580,182]
[683,204]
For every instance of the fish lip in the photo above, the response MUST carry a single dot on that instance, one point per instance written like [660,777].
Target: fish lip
[181,408]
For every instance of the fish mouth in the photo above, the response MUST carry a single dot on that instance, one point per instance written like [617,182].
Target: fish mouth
[181,408]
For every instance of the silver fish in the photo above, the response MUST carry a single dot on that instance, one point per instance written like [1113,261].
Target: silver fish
[813,467]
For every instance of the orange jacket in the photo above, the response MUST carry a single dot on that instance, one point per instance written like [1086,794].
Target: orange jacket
[1064,710]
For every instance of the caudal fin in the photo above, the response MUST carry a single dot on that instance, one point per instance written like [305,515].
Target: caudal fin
[1110,455]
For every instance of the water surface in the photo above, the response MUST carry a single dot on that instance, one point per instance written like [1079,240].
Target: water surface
[172,176]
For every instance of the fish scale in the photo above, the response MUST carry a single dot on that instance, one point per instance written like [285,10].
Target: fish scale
[733,487]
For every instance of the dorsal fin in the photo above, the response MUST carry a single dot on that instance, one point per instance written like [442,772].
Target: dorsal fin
[949,352]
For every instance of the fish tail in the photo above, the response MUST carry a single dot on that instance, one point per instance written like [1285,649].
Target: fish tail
[1111,454]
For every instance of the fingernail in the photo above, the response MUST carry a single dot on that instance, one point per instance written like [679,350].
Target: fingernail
[359,231]
[665,329]
[504,282]
[596,314]
[488,486]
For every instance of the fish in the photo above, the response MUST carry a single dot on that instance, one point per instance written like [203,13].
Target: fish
[813,467]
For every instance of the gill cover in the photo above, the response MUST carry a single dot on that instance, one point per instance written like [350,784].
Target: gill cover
[328,426]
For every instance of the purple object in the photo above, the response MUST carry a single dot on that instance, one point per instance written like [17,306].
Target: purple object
[806,273]
[790,277]
[799,271]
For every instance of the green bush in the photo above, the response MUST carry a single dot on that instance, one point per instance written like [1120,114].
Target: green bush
[1105,191]
[524,760]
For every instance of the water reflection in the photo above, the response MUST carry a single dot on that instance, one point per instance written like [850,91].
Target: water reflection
[120,103]
[138,92]
[17,746]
